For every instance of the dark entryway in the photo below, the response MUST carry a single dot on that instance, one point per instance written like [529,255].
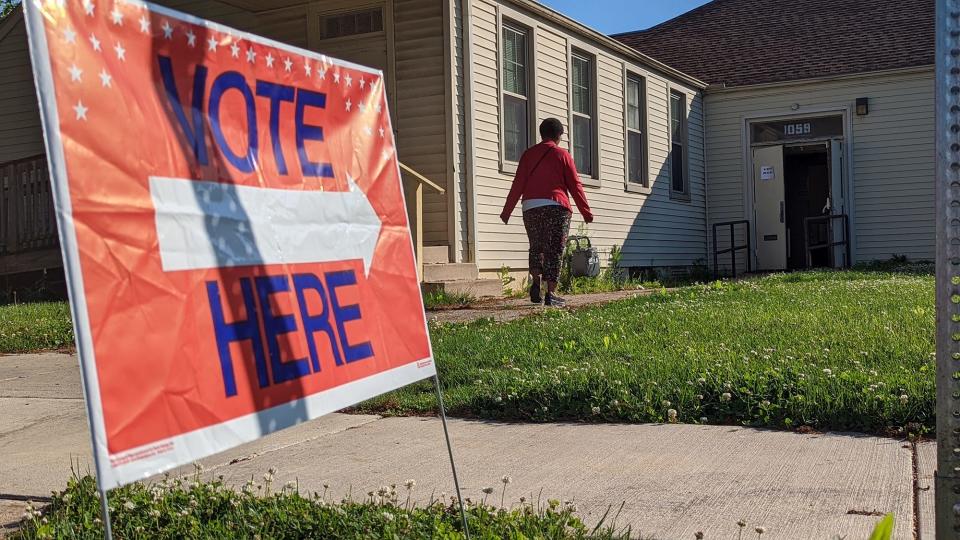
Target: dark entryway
[806,194]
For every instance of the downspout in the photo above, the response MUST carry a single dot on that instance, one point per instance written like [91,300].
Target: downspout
[469,136]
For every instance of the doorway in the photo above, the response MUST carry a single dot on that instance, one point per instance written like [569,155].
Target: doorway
[806,194]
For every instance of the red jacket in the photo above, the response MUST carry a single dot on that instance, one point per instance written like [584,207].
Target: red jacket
[547,171]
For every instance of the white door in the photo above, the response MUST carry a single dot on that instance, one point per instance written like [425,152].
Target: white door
[837,202]
[769,208]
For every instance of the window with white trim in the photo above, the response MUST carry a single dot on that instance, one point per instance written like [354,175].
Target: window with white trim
[582,132]
[516,87]
[679,183]
[636,143]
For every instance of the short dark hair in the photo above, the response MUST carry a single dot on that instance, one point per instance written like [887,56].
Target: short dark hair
[551,128]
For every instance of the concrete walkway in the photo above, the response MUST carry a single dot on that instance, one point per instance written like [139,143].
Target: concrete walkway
[673,479]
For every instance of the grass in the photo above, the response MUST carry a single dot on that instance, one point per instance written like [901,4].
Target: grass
[447,300]
[35,327]
[174,509]
[831,350]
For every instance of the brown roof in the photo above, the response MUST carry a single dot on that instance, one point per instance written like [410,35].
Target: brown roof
[739,42]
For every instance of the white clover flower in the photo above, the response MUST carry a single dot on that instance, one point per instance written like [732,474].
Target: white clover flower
[129,505]
[410,483]
[272,471]
[665,403]
[828,371]
[506,480]
[765,403]
[904,398]
[290,485]
[595,410]
[497,399]
[703,420]
[388,516]
[672,415]
[701,380]
[725,396]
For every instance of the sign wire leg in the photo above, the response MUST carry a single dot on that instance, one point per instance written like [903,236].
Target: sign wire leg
[453,465]
[105,510]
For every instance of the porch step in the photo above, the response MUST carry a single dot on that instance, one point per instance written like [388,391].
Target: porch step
[436,254]
[477,288]
[450,272]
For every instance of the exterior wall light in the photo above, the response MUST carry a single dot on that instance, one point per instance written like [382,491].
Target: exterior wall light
[863,107]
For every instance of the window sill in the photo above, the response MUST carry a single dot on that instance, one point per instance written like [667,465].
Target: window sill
[589,181]
[508,167]
[679,197]
[634,187]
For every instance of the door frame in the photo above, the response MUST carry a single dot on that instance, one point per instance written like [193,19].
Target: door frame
[747,164]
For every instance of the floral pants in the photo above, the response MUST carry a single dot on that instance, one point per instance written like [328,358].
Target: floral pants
[547,228]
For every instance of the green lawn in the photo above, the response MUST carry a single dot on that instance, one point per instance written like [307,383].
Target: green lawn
[35,327]
[831,350]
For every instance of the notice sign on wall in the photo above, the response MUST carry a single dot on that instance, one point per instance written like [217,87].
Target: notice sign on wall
[233,226]
[767,172]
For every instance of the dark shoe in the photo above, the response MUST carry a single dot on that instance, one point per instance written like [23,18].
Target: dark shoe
[535,292]
[554,300]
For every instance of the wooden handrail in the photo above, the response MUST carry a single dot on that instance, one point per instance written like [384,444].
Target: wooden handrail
[422,178]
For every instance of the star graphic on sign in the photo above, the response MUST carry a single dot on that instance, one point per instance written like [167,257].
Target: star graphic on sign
[75,73]
[336,77]
[105,78]
[349,80]
[362,107]
[323,74]
[88,7]
[95,43]
[269,59]
[349,104]
[379,108]
[363,82]
[70,36]
[144,24]
[385,154]
[167,30]
[212,44]
[117,16]
[251,55]
[235,50]
[381,132]
[121,52]
[287,64]
[191,38]
[307,68]
[367,130]
[80,110]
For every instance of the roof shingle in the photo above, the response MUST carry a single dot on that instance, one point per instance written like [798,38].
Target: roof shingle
[741,42]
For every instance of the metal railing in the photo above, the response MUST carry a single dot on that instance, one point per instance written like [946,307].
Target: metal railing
[829,243]
[27,217]
[415,208]
[733,249]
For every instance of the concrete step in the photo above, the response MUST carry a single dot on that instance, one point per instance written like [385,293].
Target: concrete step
[450,272]
[477,288]
[436,254]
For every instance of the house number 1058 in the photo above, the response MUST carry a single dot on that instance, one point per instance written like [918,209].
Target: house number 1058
[797,129]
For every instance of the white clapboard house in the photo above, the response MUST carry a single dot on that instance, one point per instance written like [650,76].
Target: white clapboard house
[784,132]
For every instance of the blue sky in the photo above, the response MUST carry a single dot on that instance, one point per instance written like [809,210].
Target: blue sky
[613,16]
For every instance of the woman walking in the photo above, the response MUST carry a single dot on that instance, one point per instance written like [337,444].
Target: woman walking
[545,175]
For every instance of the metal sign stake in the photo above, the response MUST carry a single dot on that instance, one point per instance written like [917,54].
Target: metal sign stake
[947,187]
[453,465]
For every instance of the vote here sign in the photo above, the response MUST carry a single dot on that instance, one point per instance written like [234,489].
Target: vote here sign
[233,227]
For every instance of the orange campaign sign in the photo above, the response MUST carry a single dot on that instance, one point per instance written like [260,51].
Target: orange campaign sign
[233,226]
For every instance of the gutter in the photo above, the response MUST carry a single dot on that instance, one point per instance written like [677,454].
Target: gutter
[570,24]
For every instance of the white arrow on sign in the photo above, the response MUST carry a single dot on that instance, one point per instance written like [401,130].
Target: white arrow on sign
[212,225]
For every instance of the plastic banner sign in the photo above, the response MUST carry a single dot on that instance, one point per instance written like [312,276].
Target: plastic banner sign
[233,227]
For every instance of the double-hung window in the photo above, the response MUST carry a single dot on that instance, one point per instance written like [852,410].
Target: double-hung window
[636,131]
[516,87]
[679,183]
[583,117]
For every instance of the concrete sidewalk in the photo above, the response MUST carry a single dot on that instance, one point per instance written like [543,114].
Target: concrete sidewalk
[673,479]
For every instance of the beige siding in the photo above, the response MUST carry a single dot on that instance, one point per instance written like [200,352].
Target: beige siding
[892,155]
[20,132]
[421,104]
[652,229]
